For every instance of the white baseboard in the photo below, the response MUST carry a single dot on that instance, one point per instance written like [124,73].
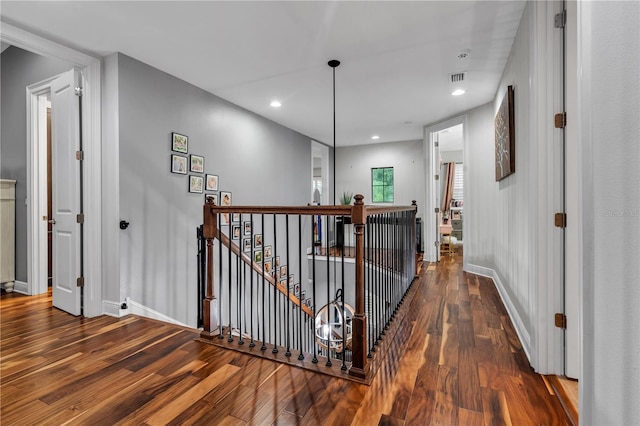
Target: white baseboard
[138,309]
[114,309]
[518,324]
[21,287]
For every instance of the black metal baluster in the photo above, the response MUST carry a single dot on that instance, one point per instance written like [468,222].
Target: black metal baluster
[344,311]
[275,290]
[264,292]
[301,356]
[329,313]
[230,338]
[315,301]
[241,268]
[370,304]
[286,225]
[220,276]
[251,343]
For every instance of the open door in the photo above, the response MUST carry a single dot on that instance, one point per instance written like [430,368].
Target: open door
[66,191]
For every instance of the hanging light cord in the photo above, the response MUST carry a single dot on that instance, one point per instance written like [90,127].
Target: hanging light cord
[333,64]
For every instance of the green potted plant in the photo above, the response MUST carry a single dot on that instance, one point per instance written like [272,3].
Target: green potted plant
[346,198]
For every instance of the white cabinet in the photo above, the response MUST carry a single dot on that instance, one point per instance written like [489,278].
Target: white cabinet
[7,233]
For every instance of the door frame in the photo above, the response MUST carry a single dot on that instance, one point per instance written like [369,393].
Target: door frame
[431,251]
[90,67]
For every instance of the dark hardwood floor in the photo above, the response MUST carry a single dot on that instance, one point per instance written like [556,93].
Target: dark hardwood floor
[456,360]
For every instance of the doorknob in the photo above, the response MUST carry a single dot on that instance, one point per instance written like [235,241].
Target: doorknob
[52,221]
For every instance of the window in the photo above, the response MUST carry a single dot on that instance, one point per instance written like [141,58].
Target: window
[382,184]
[457,183]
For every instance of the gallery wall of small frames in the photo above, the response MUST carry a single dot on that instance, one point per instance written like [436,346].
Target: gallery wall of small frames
[200,182]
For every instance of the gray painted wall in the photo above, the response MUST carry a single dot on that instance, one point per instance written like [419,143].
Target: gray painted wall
[259,161]
[20,69]
[354,163]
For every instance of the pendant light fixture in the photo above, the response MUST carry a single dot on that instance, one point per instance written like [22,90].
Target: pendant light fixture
[333,64]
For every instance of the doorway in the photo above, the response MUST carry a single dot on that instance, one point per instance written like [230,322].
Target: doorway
[451,189]
[91,76]
[320,173]
[444,144]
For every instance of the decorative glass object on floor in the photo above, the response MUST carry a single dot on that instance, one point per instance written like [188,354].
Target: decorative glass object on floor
[329,325]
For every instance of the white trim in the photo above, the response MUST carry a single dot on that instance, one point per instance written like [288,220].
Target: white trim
[139,309]
[546,273]
[21,287]
[587,384]
[431,252]
[516,320]
[113,309]
[91,105]
[36,198]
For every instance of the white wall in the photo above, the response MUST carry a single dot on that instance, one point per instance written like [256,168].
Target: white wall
[354,164]
[479,188]
[609,102]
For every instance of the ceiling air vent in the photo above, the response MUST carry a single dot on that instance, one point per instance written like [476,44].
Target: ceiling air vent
[457,77]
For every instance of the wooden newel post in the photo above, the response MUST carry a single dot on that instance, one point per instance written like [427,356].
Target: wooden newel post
[359,367]
[209,232]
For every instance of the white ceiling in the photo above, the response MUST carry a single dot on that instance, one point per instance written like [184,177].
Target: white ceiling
[396,56]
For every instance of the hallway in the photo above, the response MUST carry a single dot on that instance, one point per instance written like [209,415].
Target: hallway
[456,360]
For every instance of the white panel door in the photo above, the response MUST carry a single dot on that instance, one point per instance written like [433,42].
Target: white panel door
[65,132]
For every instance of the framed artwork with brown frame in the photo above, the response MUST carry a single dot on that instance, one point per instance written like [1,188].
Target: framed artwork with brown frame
[505,137]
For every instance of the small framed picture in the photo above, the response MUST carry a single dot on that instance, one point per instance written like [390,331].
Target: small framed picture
[213,197]
[296,289]
[257,241]
[307,302]
[246,244]
[283,271]
[247,228]
[268,267]
[303,294]
[277,262]
[195,184]
[178,164]
[212,182]
[179,143]
[197,163]
[235,217]
[236,232]
[291,279]
[257,256]
[225,198]
[268,252]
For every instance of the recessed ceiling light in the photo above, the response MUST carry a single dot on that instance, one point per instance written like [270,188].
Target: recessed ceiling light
[458,92]
[375,137]
[276,104]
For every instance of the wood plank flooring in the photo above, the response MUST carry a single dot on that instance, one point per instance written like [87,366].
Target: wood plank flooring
[455,361]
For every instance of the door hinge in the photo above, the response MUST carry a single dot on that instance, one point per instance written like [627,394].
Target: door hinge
[80,218]
[78,91]
[437,177]
[436,243]
[560,19]
[80,281]
[436,210]
[561,320]
[560,220]
[436,144]
[79,155]
[560,120]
